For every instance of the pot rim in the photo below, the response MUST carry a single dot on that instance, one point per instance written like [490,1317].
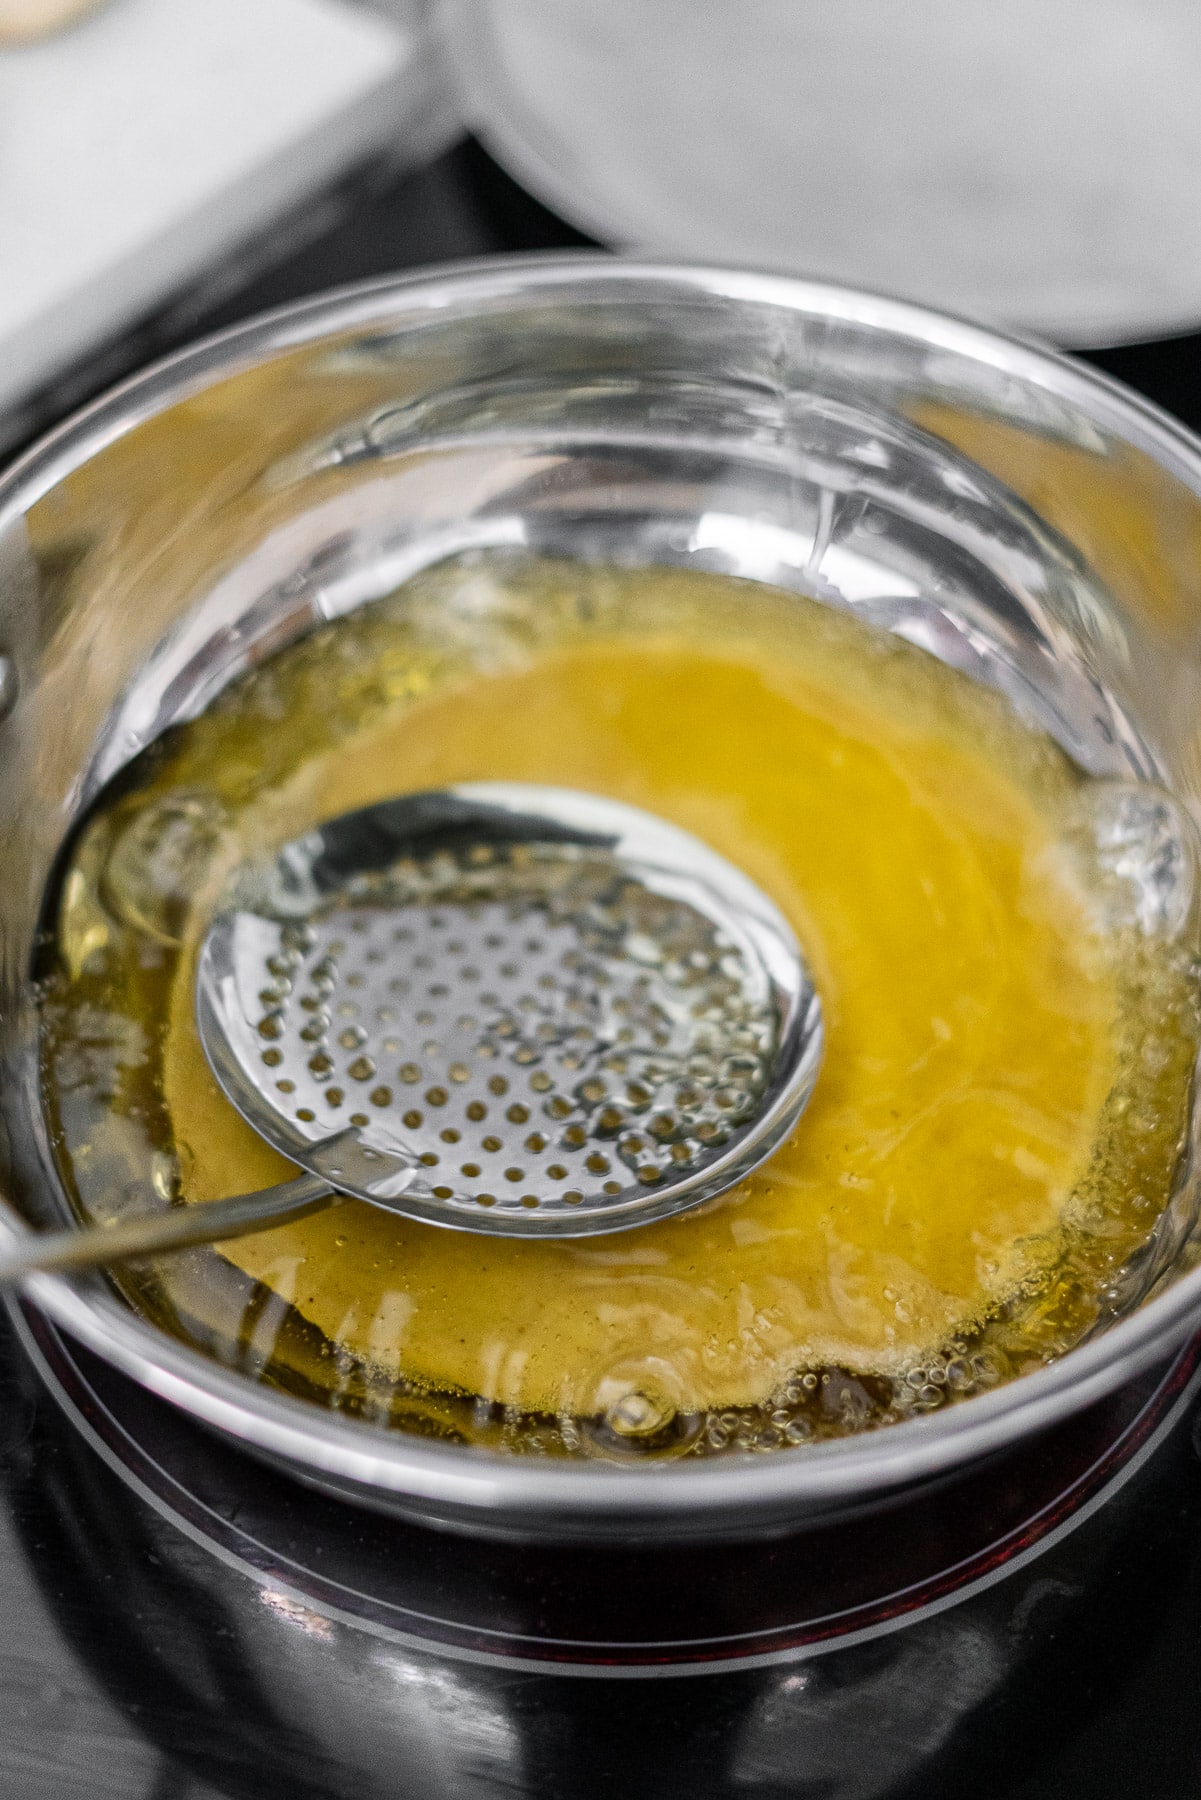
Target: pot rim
[470,1479]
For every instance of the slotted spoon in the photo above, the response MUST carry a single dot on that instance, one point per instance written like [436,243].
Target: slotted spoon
[497,1007]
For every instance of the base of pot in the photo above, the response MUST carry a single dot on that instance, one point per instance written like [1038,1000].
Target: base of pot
[604,1610]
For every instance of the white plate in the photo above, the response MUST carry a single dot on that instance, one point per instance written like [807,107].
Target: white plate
[1037,163]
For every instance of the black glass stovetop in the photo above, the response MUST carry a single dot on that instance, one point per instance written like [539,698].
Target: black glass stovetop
[181,1625]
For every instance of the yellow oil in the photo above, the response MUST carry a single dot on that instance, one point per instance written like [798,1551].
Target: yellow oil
[996,1129]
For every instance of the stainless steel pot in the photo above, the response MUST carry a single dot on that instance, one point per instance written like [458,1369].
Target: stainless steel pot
[1011,512]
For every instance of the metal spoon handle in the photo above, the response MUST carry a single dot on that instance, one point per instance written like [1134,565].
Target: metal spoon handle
[151,1234]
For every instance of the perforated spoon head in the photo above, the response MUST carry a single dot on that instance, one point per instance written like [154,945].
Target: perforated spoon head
[510,1009]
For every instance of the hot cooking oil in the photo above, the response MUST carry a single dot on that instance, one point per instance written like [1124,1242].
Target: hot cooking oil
[1004,950]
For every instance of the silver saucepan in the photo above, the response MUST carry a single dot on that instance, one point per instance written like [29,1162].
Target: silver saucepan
[1042,532]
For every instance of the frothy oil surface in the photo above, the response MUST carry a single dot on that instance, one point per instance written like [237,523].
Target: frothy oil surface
[1000,1111]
